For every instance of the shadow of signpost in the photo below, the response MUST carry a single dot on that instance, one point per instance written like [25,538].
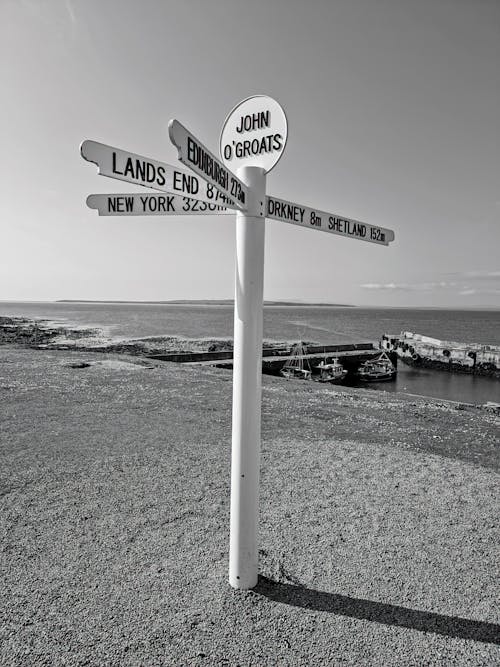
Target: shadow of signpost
[379,612]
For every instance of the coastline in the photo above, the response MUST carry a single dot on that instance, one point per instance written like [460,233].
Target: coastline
[41,333]
[46,334]
[378,516]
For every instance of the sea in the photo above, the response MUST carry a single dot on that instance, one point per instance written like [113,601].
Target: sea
[319,324]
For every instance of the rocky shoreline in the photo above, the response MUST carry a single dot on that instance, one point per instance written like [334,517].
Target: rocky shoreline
[37,333]
[43,334]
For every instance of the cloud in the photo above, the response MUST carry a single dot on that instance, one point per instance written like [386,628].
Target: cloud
[411,287]
[464,283]
[478,275]
[71,12]
[469,291]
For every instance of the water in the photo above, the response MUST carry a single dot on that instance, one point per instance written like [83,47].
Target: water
[320,324]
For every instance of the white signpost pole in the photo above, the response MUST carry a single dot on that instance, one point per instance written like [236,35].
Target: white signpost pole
[252,140]
[247,374]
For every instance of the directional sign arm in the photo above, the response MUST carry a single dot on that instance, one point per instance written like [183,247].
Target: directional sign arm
[194,155]
[311,218]
[125,166]
[140,170]
[136,204]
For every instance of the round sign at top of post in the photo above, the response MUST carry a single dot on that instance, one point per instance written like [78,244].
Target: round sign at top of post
[254,134]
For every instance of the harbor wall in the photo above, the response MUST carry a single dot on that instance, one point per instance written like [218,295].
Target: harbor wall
[350,355]
[453,366]
[320,350]
[418,350]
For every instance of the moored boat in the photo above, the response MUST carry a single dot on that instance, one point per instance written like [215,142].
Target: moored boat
[332,372]
[297,367]
[380,369]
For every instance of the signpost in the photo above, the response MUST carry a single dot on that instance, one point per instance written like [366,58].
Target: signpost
[132,168]
[252,141]
[152,204]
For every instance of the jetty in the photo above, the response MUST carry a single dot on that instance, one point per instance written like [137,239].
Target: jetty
[418,350]
[350,355]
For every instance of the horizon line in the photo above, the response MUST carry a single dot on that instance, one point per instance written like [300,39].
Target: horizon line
[275,302]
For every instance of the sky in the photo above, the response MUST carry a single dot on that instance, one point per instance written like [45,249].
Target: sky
[393,119]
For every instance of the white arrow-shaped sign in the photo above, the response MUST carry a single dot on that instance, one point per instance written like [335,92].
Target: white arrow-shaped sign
[132,168]
[194,155]
[311,218]
[124,204]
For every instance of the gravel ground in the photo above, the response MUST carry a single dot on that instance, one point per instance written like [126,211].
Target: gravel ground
[379,521]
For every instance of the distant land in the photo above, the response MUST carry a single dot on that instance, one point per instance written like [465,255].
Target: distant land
[211,302]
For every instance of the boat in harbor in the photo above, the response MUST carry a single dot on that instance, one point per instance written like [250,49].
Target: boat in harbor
[296,367]
[332,371]
[380,369]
